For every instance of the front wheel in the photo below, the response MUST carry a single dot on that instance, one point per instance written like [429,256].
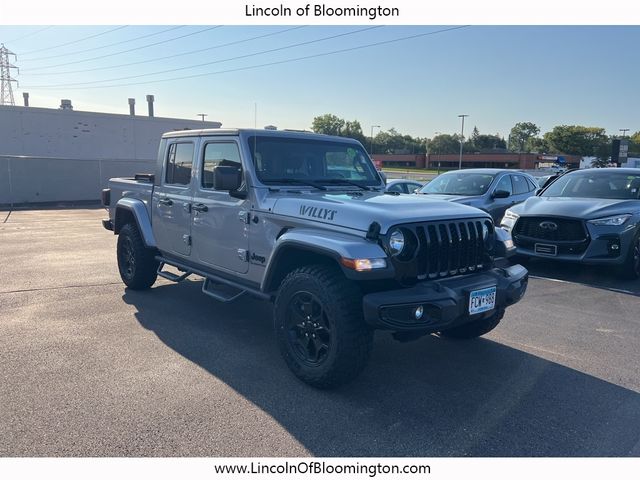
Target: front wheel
[136,263]
[474,329]
[320,328]
[630,270]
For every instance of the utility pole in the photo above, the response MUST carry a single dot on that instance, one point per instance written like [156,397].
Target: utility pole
[202,115]
[624,132]
[6,91]
[372,127]
[461,140]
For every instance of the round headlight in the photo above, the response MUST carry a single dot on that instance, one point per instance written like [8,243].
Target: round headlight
[396,242]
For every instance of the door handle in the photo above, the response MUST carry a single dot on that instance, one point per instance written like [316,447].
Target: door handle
[165,201]
[199,207]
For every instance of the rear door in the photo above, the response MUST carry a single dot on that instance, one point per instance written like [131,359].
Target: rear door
[521,188]
[220,228]
[172,198]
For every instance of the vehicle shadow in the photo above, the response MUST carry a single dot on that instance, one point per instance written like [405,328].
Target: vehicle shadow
[593,276]
[432,397]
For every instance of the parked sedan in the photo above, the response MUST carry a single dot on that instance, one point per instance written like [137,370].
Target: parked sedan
[587,216]
[402,186]
[490,189]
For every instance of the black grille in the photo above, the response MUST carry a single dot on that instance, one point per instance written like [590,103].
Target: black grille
[550,229]
[444,249]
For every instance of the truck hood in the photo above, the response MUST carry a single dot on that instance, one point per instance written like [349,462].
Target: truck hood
[359,209]
[584,208]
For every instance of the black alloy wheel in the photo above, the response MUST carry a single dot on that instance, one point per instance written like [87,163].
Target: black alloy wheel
[308,329]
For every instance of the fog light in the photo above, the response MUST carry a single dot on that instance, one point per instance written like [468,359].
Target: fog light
[614,247]
[418,312]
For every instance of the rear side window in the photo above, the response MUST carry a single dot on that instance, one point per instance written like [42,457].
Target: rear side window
[520,184]
[225,154]
[179,162]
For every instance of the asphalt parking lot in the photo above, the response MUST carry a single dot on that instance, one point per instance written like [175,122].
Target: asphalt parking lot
[89,368]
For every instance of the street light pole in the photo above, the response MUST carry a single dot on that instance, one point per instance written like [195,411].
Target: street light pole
[372,127]
[461,140]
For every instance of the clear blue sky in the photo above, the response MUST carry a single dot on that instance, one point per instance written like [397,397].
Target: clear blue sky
[498,75]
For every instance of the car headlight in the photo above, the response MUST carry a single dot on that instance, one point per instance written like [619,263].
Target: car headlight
[614,220]
[511,215]
[509,220]
[396,241]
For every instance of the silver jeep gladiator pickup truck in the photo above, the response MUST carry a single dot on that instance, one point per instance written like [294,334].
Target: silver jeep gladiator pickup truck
[303,220]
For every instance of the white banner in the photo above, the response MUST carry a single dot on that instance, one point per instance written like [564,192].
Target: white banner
[324,468]
[330,12]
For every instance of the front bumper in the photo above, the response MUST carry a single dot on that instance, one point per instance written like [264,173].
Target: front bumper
[445,302]
[108,224]
[604,246]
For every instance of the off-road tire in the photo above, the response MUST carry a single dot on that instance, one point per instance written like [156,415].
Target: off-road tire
[474,329]
[331,299]
[136,263]
[630,270]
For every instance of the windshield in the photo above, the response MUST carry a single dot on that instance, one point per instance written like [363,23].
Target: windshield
[280,160]
[596,184]
[459,183]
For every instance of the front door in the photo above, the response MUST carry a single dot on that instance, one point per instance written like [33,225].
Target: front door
[220,228]
[172,199]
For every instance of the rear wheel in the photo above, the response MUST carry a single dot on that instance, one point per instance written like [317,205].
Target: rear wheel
[136,263]
[319,326]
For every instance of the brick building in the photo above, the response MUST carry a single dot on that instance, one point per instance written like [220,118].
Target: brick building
[521,161]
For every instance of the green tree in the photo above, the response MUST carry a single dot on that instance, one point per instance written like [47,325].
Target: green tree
[482,143]
[538,145]
[634,145]
[328,124]
[352,129]
[522,135]
[444,144]
[577,140]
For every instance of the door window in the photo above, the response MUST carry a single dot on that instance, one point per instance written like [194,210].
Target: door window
[218,154]
[519,184]
[504,184]
[179,161]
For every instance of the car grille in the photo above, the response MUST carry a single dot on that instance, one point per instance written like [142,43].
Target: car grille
[446,249]
[569,236]
[565,230]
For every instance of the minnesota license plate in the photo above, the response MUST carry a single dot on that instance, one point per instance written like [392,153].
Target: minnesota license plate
[482,300]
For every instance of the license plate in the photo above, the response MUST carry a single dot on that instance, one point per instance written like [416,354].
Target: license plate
[546,249]
[482,300]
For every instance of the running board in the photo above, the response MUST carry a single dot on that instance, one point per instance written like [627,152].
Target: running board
[172,276]
[214,290]
[208,276]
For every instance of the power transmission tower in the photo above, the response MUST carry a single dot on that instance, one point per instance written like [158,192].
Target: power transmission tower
[6,92]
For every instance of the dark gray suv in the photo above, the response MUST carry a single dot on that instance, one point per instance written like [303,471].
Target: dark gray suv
[490,189]
[588,216]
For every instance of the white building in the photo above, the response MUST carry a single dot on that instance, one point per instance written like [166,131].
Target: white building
[56,155]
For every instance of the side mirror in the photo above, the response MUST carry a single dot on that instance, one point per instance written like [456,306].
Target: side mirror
[227,178]
[500,194]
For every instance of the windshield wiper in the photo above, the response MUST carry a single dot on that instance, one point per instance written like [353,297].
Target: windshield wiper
[295,181]
[342,181]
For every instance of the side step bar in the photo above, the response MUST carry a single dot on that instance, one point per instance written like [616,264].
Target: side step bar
[210,282]
[209,288]
[171,276]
